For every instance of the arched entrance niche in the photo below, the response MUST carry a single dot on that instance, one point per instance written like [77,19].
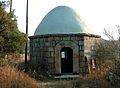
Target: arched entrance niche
[66,60]
[70,47]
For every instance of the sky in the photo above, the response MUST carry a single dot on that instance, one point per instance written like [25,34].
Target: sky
[97,14]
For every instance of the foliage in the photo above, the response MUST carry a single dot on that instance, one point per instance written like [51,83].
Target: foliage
[95,80]
[11,39]
[110,50]
[107,50]
[7,20]
[12,60]
[11,78]
[38,73]
[113,75]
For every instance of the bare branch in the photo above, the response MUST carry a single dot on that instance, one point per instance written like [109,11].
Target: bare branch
[109,34]
[118,29]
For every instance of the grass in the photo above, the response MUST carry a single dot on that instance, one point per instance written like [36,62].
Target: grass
[11,78]
[96,80]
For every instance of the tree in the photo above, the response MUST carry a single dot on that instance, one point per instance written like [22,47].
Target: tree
[114,45]
[110,49]
[11,39]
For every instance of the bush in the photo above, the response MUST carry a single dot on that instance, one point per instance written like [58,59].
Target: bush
[11,78]
[114,77]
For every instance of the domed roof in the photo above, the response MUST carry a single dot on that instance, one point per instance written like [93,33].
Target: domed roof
[61,20]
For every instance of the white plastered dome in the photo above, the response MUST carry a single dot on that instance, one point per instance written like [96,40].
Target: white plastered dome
[62,20]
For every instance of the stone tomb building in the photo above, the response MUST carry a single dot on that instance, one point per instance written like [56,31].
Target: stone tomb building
[62,44]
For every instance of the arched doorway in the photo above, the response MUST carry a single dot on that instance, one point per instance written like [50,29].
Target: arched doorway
[66,60]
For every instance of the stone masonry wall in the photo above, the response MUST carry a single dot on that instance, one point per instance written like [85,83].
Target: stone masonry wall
[45,51]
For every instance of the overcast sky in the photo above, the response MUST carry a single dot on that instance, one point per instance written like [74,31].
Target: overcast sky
[97,14]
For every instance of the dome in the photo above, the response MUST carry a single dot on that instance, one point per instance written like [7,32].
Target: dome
[61,20]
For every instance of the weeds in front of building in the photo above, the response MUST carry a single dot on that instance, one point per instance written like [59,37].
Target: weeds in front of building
[11,78]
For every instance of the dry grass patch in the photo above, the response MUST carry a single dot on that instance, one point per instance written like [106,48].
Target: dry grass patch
[11,78]
[98,79]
